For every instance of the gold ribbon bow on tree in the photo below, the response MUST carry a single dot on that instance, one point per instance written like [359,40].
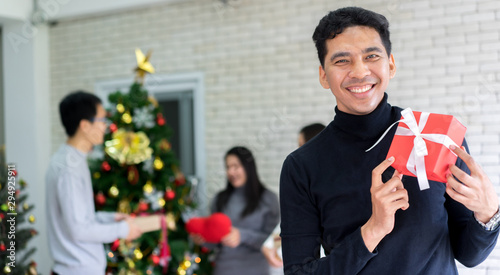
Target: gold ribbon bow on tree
[128,147]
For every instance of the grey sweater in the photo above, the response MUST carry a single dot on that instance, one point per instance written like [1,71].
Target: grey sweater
[247,258]
[76,232]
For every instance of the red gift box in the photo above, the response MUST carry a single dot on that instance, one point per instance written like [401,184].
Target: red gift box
[419,132]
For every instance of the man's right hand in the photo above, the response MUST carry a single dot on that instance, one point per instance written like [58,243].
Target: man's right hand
[134,231]
[387,198]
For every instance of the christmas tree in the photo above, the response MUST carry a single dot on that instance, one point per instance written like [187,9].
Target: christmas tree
[14,236]
[138,174]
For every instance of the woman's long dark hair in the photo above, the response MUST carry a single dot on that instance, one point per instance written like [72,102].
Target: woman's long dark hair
[253,186]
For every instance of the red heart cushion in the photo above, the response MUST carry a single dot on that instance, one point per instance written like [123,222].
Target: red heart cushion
[211,228]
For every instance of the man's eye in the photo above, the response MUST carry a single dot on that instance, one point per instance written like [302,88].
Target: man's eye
[372,56]
[341,61]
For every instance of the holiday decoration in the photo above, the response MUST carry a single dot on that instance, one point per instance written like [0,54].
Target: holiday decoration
[113,127]
[143,65]
[100,199]
[211,228]
[145,181]
[169,194]
[133,175]
[128,147]
[105,166]
[15,211]
[158,163]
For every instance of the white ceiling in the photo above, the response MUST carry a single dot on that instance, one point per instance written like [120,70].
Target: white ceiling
[56,10]
[69,9]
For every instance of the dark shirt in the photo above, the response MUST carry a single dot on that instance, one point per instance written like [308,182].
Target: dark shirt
[325,199]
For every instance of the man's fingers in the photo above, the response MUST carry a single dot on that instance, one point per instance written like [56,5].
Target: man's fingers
[377,171]
[463,155]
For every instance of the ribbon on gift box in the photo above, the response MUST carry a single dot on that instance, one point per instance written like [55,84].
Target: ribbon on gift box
[416,161]
[165,254]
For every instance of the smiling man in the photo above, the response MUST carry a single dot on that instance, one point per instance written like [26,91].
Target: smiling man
[368,217]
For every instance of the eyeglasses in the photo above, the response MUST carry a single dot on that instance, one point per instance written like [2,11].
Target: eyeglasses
[101,119]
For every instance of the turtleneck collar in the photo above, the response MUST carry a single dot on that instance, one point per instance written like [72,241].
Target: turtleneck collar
[365,127]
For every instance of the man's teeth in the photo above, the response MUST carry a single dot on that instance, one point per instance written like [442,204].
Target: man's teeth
[359,90]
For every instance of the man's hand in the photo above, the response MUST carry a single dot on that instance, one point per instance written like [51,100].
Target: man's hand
[272,257]
[476,192]
[134,231]
[121,216]
[233,238]
[387,198]
[197,239]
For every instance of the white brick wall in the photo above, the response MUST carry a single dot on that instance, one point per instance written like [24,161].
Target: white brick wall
[261,68]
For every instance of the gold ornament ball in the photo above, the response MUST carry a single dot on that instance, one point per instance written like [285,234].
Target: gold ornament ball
[148,187]
[6,269]
[187,264]
[161,202]
[158,163]
[130,264]
[31,219]
[97,175]
[181,202]
[113,191]
[120,108]
[138,254]
[25,206]
[127,118]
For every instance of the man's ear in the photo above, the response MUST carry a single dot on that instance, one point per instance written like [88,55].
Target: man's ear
[322,78]
[84,125]
[392,66]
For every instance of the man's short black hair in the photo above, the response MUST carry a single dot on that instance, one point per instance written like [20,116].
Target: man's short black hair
[75,107]
[311,130]
[335,22]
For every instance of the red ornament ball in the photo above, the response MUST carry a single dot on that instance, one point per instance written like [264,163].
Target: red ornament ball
[180,180]
[14,172]
[160,120]
[113,127]
[143,206]
[2,247]
[169,195]
[100,199]
[105,166]
[155,259]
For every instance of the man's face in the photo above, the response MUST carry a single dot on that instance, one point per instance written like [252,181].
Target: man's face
[357,70]
[97,128]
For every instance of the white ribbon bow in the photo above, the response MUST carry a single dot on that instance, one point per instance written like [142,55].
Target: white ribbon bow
[416,160]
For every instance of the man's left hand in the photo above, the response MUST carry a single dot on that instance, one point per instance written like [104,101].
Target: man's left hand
[474,191]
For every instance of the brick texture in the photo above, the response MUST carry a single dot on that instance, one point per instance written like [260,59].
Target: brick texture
[260,69]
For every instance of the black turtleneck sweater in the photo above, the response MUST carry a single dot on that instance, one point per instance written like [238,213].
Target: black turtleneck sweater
[325,199]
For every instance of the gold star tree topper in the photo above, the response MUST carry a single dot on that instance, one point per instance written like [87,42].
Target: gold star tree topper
[143,65]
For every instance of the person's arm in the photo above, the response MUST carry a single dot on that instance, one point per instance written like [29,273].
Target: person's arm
[471,243]
[78,217]
[255,238]
[301,231]
[106,217]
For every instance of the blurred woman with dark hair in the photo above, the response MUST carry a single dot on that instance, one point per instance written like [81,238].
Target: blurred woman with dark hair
[254,212]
